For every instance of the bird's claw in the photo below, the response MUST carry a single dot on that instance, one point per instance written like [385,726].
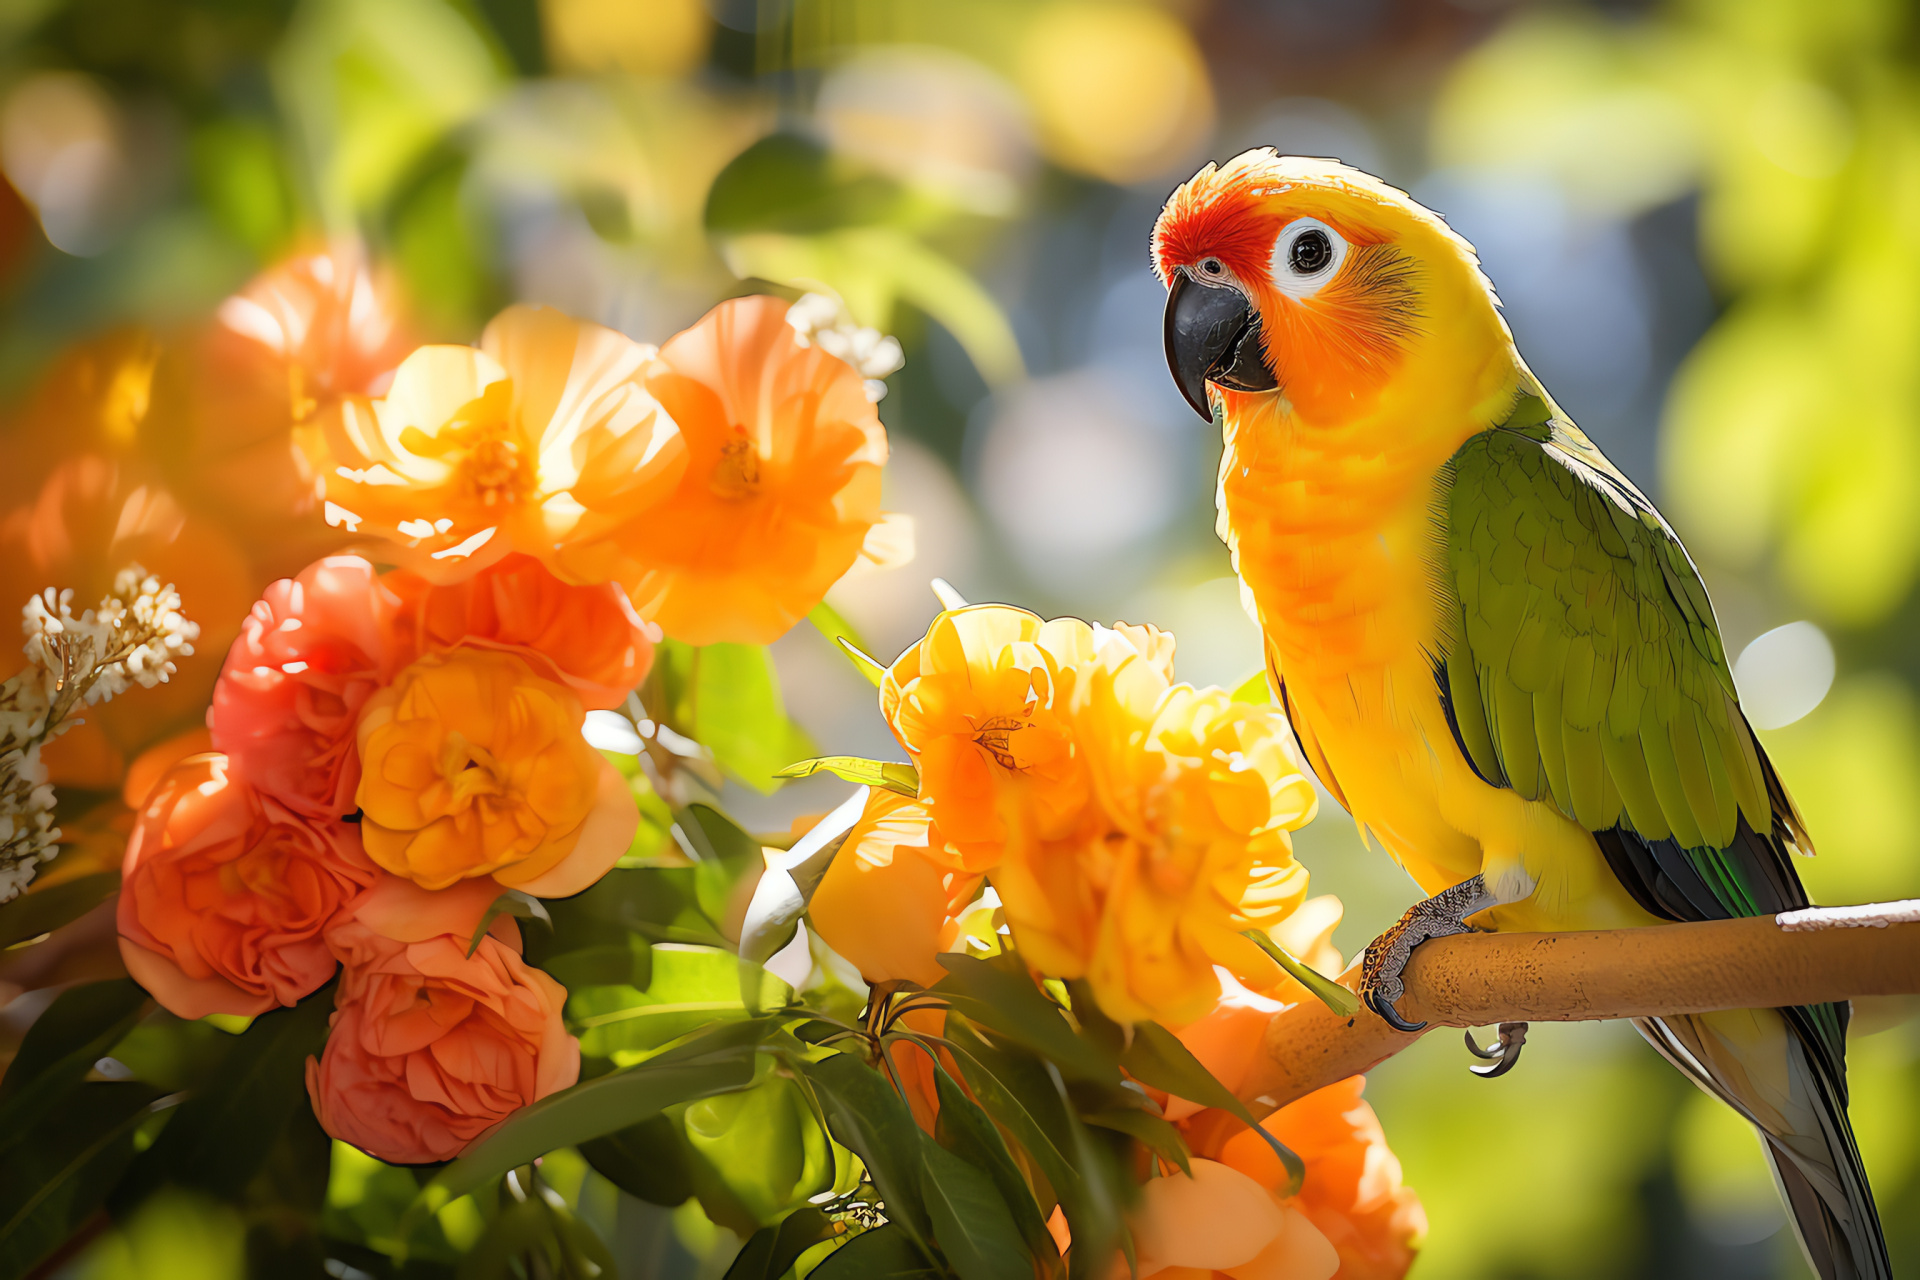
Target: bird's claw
[1386,957]
[1506,1050]
[1389,1015]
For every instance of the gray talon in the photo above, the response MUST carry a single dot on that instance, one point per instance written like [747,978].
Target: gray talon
[1506,1050]
[1443,914]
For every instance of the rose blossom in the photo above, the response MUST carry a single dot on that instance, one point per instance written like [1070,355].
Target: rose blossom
[307,659]
[430,1046]
[224,894]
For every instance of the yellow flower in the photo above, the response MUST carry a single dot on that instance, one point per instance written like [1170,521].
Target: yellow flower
[886,904]
[1185,846]
[546,428]
[983,705]
[472,765]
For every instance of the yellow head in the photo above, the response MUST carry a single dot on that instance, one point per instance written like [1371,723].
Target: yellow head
[1306,279]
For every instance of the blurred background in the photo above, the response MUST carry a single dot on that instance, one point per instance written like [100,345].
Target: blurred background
[1703,218]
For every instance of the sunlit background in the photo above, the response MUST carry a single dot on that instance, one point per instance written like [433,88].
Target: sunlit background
[1703,218]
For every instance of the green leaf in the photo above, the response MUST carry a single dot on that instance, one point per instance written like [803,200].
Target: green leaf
[870,1118]
[43,911]
[865,663]
[1007,1002]
[903,779]
[222,1135]
[76,1031]
[786,182]
[971,1221]
[628,964]
[511,902]
[1013,1088]
[647,1160]
[884,1253]
[1330,993]
[692,987]
[771,1251]
[1254,689]
[1151,1131]
[729,855]
[537,1235]
[730,703]
[716,1062]
[60,1172]
[1156,1057]
[964,1129]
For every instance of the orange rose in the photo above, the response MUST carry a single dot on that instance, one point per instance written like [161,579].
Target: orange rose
[310,654]
[430,1046]
[589,637]
[781,486]
[473,765]
[886,904]
[545,430]
[224,894]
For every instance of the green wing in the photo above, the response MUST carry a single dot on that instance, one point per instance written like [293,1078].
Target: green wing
[1585,669]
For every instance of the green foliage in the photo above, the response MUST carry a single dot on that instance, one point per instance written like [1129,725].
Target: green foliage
[32,914]
[727,698]
[902,779]
[764,1144]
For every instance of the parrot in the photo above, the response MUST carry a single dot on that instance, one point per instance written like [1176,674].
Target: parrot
[1493,650]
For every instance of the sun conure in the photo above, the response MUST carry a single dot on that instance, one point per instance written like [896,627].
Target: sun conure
[1494,651]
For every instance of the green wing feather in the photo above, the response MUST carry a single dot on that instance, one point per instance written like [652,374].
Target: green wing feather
[1585,669]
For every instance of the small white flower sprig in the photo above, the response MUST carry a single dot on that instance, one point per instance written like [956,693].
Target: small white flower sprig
[132,637]
[822,320]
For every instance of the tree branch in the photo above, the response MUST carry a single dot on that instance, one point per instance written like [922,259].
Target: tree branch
[1470,980]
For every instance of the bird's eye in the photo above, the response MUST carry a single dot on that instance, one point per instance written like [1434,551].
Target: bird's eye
[1311,252]
[1213,267]
[1307,254]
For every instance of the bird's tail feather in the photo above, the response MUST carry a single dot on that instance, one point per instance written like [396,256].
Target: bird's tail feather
[1803,1129]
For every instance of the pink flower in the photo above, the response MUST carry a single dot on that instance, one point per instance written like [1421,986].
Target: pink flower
[308,657]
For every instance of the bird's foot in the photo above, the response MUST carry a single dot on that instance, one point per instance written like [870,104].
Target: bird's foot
[1506,1050]
[1443,914]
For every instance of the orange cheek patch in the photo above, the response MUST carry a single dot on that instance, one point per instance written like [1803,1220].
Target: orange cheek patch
[1338,348]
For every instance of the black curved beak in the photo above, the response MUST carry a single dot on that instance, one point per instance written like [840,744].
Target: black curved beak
[1213,335]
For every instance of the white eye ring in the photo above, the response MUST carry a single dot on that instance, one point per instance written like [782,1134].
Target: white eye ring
[1306,255]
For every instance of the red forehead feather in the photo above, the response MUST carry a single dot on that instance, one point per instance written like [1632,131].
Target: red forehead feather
[1221,217]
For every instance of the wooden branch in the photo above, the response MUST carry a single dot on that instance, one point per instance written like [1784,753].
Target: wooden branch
[1470,980]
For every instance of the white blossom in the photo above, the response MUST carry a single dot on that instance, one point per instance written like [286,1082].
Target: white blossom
[821,320]
[132,637]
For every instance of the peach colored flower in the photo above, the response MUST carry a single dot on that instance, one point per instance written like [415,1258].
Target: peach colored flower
[588,637]
[781,487]
[227,395]
[1352,1191]
[474,765]
[473,454]
[224,894]
[1220,1222]
[1184,848]
[431,1047]
[886,904]
[313,649]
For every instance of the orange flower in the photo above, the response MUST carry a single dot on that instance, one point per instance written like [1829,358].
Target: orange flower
[588,637]
[983,705]
[1185,847]
[228,394]
[1352,1192]
[225,893]
[1221,1222]
[886,904]
[780,491]
[431,1046]
[473,765]
[546,429]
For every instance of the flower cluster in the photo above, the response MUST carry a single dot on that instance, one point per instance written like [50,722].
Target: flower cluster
[132,637]
[724,480]
[395,748]
[1133,827]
